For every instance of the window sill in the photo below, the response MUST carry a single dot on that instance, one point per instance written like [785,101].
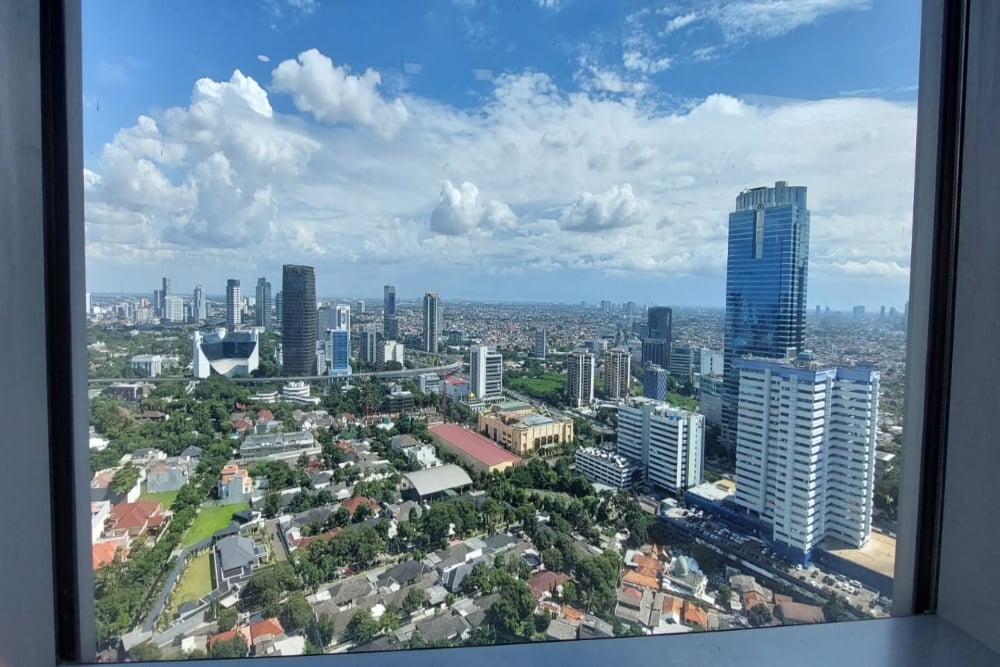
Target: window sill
[919,640]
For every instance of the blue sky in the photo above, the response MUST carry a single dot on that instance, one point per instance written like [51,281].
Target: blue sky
[535,150]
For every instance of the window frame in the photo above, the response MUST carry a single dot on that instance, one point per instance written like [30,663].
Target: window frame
[46,576]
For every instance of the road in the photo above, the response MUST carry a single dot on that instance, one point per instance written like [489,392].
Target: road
[405,373]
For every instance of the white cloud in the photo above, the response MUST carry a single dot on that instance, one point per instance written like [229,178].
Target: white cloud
[743,19]
[482,74]
[413,68]
[262,58]
[333,95]
[680,21]
[459,211]
[549,4]
[304,6]
[616,208]
[635,60]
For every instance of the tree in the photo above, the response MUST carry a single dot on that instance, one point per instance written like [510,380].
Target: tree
[297,613]
[759,615]
[553,559]
[272,504]
[724,595]
[362,628]
[514,610]
[230,648]
[227,619]
[124,479]
[835,609]
[415,598]
[362,513]
[145,652]
[323,629]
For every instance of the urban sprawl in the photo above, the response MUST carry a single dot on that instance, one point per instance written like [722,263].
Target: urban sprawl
[277,474]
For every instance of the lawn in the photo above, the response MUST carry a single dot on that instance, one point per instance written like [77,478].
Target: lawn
[166,497]
[210,519]
[195,582]
[538,387]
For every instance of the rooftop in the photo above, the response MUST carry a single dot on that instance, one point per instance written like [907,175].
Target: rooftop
[473,444]
[435,480]
[879,555]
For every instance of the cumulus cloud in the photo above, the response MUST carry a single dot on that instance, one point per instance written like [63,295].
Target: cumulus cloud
[333,95]
[616,208]
[460,211]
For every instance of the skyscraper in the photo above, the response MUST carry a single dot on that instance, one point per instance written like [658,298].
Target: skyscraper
[654,382]
[432,320]
[342,317]
[298,319]
[234,304]
[805,451]
[617,373]
[359,306]
[173,308]
[339,355]
[262,305]
[199,309]
[277,310]
[166,287]
[766,275]
[541,347]
[390,325]
[158,302]
[326,320]
[366,348]
[580,379]
[656,344]
[485,372]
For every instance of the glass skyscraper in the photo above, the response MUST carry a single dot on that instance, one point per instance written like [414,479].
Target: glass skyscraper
[298,320]
[656,344]
[390,325]
[766,274]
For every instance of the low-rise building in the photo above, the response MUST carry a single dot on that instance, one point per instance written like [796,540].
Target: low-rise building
[279,446]
[235,485]
[516,426]
[603,467]
[153,364]
[298,392]
[433,483]
[472,449]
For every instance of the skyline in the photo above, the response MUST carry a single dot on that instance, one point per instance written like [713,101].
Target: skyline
[367,146]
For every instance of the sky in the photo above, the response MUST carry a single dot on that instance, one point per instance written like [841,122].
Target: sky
[515,150]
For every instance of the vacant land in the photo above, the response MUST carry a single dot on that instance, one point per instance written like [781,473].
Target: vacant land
[166,498]
[209,520]
[195,583]
[539,387]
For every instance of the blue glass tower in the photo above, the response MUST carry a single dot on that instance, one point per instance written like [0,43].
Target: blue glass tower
[654,382]
[340,352]
[766,273]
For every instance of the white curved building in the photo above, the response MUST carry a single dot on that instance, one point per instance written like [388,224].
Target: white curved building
[225,352]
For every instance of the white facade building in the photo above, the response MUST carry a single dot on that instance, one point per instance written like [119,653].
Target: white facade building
[666,443]
[225,352]
[617,373]
[173,308]
[153,364]
[485,372]
[805,451]
[603,467]
[387,351]
[580,379]
[711,362]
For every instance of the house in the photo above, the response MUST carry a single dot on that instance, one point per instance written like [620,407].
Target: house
[99,512]
[236,557]
[235,484]
[100,488]
[592,627]
[228,635]
[103,553]
[352,504]
[672,609]
[442,628]
[636,606]
[191,455]
[544,584]
[154,415]
[797,613]
[693,615]
[146,456]
[404,574]
[135,519]
[166,476]
[560,630]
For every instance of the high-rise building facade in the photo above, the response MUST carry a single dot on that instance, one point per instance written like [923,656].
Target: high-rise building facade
[173,308]
[199,308]
[665,443]
[262,304]
[390,325]
[234,304]
[681,362]
[432,321]
[339,354]
[277,311]
[298,319]
[366,345]
[326,321]
[654,382]
[342,317]
[805,452]
[359,307]
[541,348]
[659,334]
[617,373]
[766,274]
[158,302]
[485,372]
[387,351]
[580,379]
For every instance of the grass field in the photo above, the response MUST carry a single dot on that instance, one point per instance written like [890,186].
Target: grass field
[548,383]
[209,520]
[167,498]
[195,582]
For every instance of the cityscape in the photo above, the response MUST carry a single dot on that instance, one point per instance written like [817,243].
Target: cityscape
[278,473]
[462,323]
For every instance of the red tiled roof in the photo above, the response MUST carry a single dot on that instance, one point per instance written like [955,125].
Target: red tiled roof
[633,593]
[229,634]
[352,504]
[473,444]
[544,582]
[571,613]
[269,627]
[135,516]
[643,580]
[103,553]
[265,416]
[693,614]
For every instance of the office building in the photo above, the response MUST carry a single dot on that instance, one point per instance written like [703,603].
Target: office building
[429,383]
[234,304]
[388,351]
[342,317]
[390,325]
[153,364]
[432,321]
[518,427]
[326,320]
[656,344]
[540,344]
[485,372]
[859,312]
[654,382]
[359,307]
[366,345]
[277,311]
[166,291]
[339,353]
[710,362]
[199,308]
[158,302]
[603,467]
[681,362]
[173,308]
[805,452]
[617,373]
[262,304]
[298,320]
[667,444]
[710,389]
[580,379]
[225,352]
[455,337]
[766,274]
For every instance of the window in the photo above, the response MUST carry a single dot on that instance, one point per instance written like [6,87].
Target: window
[949,586]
